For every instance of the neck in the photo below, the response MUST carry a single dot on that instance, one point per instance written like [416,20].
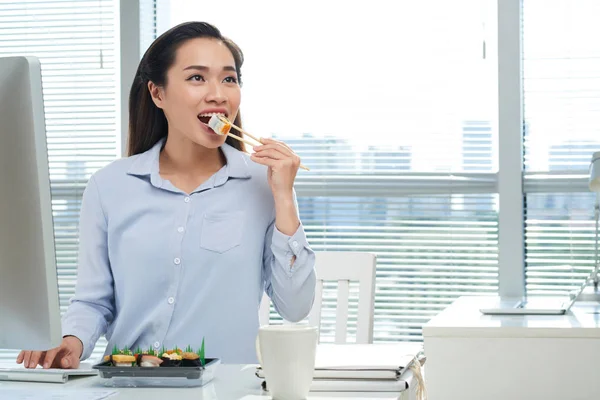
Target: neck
[180,155]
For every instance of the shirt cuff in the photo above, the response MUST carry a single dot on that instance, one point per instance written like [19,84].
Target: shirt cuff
[294,244]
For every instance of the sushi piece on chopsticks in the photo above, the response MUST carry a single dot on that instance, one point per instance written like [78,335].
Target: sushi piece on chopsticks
[222,126]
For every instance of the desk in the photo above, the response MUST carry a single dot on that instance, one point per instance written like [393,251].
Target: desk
[476,356]
[231,382]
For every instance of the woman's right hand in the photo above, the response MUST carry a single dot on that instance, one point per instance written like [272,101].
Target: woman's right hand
[64,356]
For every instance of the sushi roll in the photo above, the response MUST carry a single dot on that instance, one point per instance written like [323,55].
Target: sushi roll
[219,126]
[171,360]
[190,359]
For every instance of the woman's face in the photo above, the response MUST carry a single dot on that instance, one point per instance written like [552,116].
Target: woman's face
[202,81]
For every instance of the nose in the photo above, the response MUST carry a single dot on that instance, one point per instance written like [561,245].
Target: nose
[216,94]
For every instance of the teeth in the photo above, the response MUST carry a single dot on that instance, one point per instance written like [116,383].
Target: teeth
[210,114]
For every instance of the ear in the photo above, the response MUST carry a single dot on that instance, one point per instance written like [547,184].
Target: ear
[157,94]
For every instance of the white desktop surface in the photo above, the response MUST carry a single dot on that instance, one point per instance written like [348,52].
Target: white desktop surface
[476,356]
[463,318]
[231,382]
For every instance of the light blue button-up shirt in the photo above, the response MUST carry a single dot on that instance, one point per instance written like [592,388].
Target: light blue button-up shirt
[159,267]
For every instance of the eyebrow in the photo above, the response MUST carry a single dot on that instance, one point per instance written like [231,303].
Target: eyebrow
[204,68]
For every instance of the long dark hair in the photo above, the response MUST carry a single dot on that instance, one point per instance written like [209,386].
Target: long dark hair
[147,123]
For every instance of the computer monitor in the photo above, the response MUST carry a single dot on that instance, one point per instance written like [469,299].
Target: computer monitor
[29,304]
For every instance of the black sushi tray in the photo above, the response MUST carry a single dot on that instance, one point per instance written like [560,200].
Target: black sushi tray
[157,376]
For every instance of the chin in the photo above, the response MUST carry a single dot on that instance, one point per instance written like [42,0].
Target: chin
[212,145]
[212,142]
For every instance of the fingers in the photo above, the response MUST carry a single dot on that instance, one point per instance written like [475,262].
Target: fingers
[67,354]
[30,359]
[70,360]
[277,164]
[58,357]
[277,151]
[50,357]
[35,359]
[26,358]
[270,153]
[274,144]
[284,144]
[66,362]
[269,162]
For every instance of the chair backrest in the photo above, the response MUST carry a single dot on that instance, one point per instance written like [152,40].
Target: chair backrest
[342,267]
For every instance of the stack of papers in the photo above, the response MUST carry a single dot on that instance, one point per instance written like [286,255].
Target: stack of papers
[362,367]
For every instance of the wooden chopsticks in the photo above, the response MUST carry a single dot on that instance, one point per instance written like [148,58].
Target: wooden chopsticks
[241,139]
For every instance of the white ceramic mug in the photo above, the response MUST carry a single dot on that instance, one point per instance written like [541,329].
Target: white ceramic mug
[287,356]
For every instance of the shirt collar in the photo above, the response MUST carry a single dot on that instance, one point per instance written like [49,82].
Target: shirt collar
[237,162]
[146,164]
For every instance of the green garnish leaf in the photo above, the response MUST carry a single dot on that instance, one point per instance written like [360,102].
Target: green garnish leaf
[201,353]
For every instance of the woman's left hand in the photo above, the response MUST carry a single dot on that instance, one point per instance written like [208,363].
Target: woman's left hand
[283,165]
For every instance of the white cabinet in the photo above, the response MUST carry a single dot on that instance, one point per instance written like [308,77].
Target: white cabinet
[484,357]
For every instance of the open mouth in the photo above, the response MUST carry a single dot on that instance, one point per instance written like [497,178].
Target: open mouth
[205,117]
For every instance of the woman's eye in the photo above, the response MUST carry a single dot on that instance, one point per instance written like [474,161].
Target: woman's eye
[231,79]
[197,78]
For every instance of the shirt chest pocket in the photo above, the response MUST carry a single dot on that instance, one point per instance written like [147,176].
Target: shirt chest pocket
[222,232]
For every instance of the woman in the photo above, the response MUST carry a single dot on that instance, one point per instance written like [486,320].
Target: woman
[179,240]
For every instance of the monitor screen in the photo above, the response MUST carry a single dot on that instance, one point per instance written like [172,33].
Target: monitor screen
[29,304]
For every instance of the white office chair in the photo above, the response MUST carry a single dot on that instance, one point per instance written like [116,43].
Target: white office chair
[342,267]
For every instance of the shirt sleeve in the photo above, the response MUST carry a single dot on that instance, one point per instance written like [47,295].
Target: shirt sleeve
[92,308]
[289,272]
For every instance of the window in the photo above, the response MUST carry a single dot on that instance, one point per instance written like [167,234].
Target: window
[75,42]
[561,79]
[394,112]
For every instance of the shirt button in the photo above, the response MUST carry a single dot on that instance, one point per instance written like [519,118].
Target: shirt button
[187,199]
[295,244]
[177,261]
[180,229]
[171,300]
[156,345]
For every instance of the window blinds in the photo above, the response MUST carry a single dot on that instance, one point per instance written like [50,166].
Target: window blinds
[561,79]
[396,122]
[75,42]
